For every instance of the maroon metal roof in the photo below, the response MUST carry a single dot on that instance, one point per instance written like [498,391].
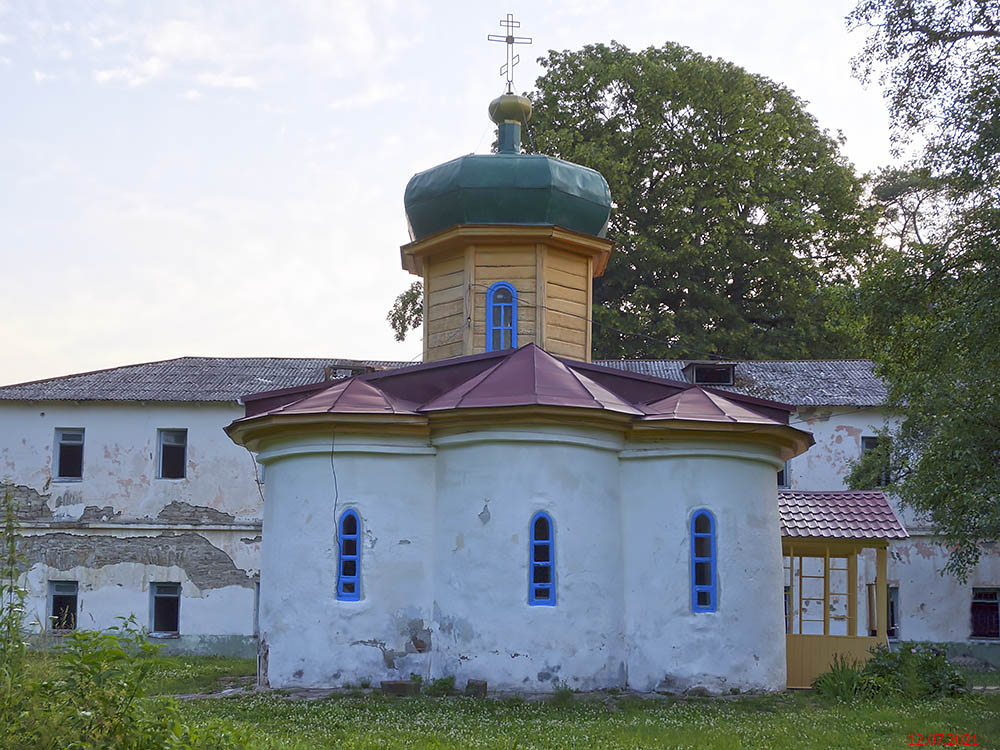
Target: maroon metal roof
[528,376]
[848,514]
[704,406]
[352,396]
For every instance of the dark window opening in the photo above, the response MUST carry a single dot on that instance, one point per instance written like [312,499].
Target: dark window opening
[541,529]
[788,609]
[173,454]
[541,581]
[501,317]
[349,562]
[713,374]
[69,445]
[869,444]
[985,613]
[703,561]
[784,478]
[166,608]
[703,574]
[64,605]
[702,546]
[892,629]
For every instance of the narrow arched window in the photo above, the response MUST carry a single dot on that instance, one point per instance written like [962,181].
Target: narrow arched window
[349,558]
[542,583]
[501,317]
[704,593]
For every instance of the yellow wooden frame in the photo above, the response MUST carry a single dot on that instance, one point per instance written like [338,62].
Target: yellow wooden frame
[809,655]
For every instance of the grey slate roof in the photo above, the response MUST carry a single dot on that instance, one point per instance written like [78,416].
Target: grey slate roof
[809,382]
[208,379]
[198,379]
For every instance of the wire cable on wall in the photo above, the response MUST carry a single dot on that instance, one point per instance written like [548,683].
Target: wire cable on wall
[336,491]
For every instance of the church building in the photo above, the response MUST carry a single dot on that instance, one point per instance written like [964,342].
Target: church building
[509,511]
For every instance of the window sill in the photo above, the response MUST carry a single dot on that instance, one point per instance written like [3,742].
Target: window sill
[170,479]
[59,633]
[984,639]
[163,635]
[60,480]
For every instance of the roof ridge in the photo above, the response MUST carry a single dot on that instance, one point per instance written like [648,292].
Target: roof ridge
[91,372]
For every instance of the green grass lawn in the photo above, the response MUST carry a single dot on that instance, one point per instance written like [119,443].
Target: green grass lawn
[798,720]
[357,720]
[183,675]
[173,675]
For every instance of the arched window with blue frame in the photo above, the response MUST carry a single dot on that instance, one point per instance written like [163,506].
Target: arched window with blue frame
[501,317]
[542,565]
[704,576]
[349,557]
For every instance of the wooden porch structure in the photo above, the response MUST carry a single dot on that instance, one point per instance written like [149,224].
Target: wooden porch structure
[822,536]
[821,605]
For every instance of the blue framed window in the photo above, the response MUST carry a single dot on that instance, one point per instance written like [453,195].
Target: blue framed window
[501,317]
[704,592]
[349,558]
[542,583]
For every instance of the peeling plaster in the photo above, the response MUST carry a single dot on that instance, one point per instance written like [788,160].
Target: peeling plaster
[207,566]
[31,504]
[389,655]
[183,512]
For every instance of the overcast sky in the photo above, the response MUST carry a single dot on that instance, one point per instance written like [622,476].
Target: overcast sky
[226,178]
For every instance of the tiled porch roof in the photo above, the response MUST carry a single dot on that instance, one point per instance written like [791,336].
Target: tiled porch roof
[847,514]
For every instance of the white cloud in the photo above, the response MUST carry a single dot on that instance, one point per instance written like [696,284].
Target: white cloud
[227,81]
[375,94]
[136,75]
[192,95]
[5,38]
[182,41]
[41,76]
[4,61]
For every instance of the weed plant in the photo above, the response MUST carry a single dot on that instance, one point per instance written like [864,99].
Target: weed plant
[441,687]
[92,696]
[913,671]
[563,696]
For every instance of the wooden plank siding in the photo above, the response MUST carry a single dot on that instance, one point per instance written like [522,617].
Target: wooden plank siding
[553,298]
[567,312]
[809,656]
[445,292]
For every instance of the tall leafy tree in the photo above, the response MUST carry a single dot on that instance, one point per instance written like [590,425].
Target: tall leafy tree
[735,215]
[736,220]
[931,299]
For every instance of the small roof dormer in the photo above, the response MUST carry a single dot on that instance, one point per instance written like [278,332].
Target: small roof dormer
[709,372]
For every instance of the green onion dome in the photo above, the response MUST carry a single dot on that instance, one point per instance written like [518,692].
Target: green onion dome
[507,187]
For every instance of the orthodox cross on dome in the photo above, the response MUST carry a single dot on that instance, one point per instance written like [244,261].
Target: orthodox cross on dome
[507,69]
